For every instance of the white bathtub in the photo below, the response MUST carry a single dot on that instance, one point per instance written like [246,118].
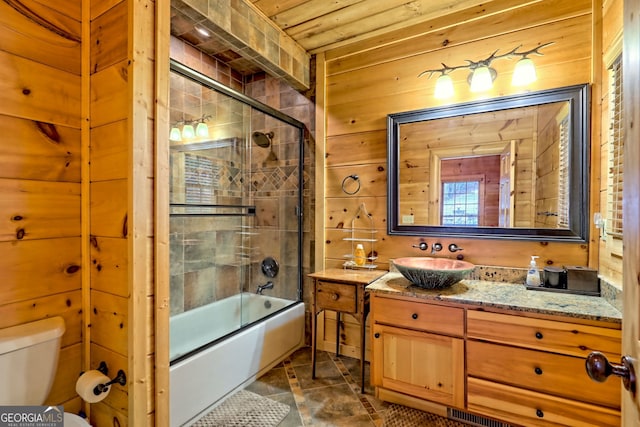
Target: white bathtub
[200,381]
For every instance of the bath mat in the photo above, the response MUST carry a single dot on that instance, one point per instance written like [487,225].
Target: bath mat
[245,409]
[402,416]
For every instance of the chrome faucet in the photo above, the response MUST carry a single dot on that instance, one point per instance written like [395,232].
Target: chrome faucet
[454,248]
[268,285]
[423,246]
[436,247]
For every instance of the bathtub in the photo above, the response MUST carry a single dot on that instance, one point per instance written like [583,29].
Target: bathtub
[200,380]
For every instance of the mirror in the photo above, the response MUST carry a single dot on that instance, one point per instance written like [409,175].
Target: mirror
[510,167]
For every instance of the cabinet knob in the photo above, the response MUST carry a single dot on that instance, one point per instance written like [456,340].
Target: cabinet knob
[539,335]
[335,297]
[377,335]
[414,316]
[539,413]
[538,371]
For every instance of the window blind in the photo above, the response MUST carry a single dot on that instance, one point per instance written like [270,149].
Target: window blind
[563,174]
[616,150]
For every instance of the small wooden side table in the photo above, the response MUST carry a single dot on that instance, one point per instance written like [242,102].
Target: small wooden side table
[342,291]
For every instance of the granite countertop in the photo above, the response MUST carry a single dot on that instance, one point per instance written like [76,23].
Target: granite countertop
[512,296]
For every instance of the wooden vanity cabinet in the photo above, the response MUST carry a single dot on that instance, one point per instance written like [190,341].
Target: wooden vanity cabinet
[510,366]
[531,371]
[418,350]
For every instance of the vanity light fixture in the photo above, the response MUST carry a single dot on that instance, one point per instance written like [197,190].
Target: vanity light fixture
[444,87]
[188,132]
[482,79]
[175,134]
[482,75]
[524,73]
[202,130]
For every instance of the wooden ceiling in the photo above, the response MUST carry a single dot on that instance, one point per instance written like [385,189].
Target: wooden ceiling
[323,25]
[320,25]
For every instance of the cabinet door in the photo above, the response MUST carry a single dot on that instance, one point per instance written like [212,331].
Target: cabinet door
[420,364]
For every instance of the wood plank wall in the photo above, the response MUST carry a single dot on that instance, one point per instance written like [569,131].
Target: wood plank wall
[364,82]
[40,175]
[109,154]
[122,68]
[368,80]
[610,264]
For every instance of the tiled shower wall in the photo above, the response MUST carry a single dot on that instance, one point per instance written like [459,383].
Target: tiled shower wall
[282,97]
[272,181]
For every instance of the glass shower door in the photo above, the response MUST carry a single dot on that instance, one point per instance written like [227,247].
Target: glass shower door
[235,212]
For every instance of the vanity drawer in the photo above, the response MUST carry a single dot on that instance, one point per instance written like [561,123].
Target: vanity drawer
[561,337]
[419,316]
[523,407]
[544,372]
[336,296]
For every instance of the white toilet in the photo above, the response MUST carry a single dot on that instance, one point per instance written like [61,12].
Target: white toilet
[28,364]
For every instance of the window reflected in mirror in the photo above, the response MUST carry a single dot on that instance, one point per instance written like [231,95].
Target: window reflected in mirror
[461,202]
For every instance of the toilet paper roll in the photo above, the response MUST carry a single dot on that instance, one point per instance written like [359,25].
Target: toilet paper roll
[89,383]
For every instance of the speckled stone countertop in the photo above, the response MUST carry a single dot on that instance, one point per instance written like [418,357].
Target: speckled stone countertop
[512,296]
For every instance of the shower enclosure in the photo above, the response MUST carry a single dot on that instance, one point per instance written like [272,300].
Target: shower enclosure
[235,239]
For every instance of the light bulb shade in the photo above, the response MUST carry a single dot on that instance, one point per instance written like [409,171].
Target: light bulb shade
[202,130]
[444,87]
[481,79]
[524,73]
[188,132]
[174,135]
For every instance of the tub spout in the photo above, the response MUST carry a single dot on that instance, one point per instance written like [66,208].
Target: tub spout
[268,285]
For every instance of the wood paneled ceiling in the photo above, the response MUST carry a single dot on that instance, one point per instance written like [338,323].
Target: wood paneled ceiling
[320,25]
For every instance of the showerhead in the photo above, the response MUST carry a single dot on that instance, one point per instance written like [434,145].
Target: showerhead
[262,139]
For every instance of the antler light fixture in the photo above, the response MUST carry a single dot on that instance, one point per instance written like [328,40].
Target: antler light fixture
[482,74]
[188,132]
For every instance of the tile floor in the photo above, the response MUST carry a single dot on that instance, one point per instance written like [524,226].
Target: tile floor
[332,399]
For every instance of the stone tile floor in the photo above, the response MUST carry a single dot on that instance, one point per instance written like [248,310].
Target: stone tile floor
[332,399]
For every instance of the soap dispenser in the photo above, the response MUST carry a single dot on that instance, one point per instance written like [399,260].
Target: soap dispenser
[533,274]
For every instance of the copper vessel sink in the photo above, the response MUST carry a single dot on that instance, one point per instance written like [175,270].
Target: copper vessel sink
[433,273]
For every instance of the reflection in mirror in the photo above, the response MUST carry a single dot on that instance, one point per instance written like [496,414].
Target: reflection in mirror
[500,167]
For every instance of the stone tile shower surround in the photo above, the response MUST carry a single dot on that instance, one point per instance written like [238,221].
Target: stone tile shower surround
[214,258]
[274,185]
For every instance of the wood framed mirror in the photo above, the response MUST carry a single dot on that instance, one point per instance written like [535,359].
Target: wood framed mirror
[514,167]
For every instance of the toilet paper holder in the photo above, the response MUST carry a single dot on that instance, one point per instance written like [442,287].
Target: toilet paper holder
[120,378]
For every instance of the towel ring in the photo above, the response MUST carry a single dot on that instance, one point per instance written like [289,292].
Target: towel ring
[353,177]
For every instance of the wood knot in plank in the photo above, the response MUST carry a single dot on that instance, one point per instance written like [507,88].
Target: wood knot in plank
[125,226]
[72,269]
[94,242]
[49,131]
